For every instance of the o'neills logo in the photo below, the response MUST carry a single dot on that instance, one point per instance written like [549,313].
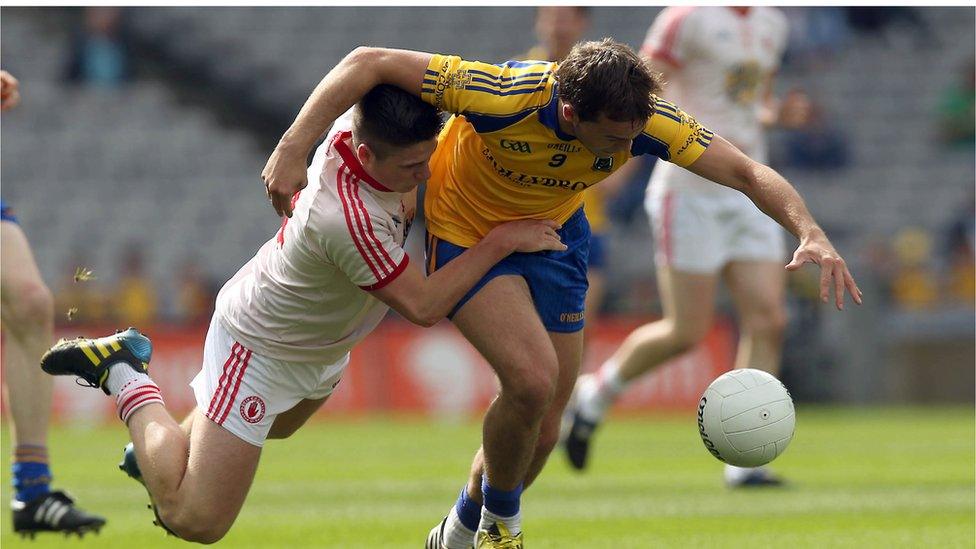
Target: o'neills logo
[701,429]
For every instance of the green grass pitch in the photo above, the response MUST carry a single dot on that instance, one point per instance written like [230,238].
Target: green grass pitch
[859,478]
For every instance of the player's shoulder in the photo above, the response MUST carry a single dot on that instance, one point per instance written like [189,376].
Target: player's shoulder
[772,16]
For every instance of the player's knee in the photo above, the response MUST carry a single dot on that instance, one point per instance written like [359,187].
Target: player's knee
[769,323]
[31,305]
[197,527]
[685,336]
[534,389]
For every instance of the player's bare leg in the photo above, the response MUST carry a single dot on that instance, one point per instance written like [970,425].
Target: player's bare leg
[287,423]
[28,322]
[688,305]
[501,322]
[758,290]
[198,482]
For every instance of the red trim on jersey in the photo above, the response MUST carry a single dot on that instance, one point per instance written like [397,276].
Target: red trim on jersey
[741,11]
[370,231]
[393,276]
[661,55]
[365,227]
[677,17]
[358,233]
[339,143]
[221,391]
[237,385]
[667,233]
[340,186]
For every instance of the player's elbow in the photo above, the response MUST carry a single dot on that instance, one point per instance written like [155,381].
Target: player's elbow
[363,56]
[746,176]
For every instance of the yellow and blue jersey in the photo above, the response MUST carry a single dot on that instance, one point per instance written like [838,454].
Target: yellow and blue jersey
[502,156]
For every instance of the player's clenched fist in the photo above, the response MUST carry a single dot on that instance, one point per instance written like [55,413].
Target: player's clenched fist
[284,175]
[528,235]
[9,91]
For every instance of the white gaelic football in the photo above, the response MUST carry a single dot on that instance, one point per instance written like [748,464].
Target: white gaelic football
[746,418]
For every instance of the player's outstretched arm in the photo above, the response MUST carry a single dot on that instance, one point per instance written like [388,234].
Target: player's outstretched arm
[723,163]
[425,301]
[360,71]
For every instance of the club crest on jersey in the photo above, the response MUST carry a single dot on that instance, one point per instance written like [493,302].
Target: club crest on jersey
[517,146]
[252,409]
[603,164]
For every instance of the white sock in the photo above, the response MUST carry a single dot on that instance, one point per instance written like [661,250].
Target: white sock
[119,374]
[132,390]
[514,524]
[598,391]
[456,534]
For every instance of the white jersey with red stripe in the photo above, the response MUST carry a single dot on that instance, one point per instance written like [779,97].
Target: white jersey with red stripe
[304,296]
[716,61]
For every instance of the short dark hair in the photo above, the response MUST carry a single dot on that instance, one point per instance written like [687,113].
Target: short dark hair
[609,78]
[388,117]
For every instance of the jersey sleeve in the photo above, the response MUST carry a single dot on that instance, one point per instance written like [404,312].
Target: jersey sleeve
[673,135]
[360,246]
[670,37]
[509,89]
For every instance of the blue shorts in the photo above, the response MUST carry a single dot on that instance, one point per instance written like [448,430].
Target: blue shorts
[598,251]
[557,280]
[6,212]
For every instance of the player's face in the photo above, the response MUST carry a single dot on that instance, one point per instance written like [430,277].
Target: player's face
[605,137]
[403,168]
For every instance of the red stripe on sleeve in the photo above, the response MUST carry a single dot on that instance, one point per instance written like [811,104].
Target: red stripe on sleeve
[349,225]
[372,234]
[358,212]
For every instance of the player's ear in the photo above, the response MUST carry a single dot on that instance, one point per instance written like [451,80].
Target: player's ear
[569,113]
[364,154]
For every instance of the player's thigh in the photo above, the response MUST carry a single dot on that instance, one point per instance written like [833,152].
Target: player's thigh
[18,270]
[758,290]
[595,293]
[219,474]
[688,300]
[502,323]
[286,423]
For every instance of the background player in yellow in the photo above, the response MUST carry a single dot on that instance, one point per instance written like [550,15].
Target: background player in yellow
[526,140]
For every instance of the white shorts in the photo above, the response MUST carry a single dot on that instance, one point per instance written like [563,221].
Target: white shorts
[244,392]
[700,232]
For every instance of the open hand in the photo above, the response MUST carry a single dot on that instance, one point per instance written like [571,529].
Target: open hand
[529,235]
[833,270]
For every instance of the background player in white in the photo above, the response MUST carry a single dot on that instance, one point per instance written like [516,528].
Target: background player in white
[280,338]
[28,328]
[719,63]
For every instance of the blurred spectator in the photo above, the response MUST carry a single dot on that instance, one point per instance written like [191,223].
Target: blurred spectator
[195,294]
[914,286]
[956,111]
[877,21]
[817,34]
[99,50]
[819,145]
[557,29]
[135,299]
[961,258]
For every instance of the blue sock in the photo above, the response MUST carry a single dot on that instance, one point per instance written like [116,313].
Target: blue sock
[468,510]
[500,502]
[32,476]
